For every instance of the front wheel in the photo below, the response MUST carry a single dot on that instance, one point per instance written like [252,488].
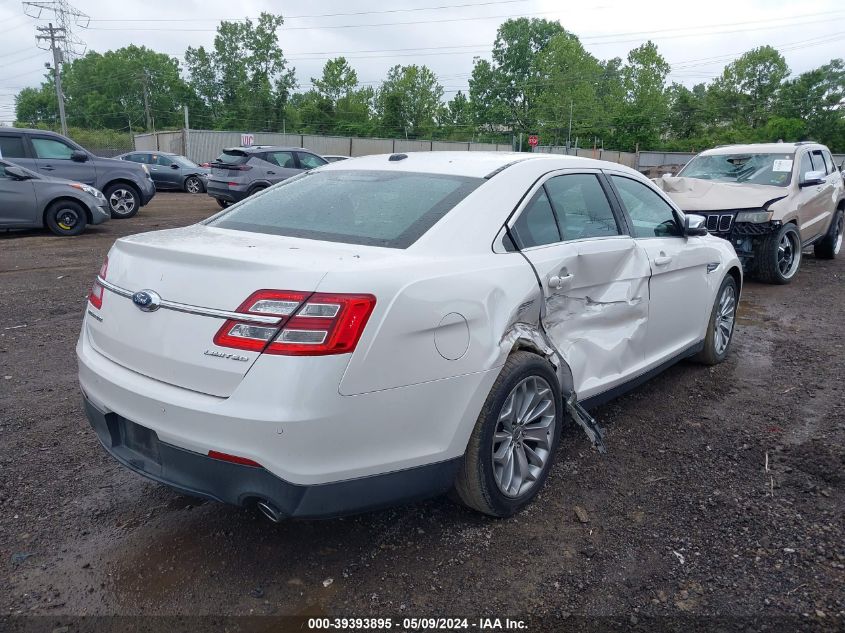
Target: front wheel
[831,244]
[720,327]
[778,257]
[512,446]
[124,200]
[193,185]
[65,218]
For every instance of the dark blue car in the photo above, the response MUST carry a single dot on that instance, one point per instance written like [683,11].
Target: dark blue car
[171,171]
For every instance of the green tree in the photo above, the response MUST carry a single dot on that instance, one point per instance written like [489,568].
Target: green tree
[646,103]
[570,77]
[513,82]
[245,81]
[816,98]
[746,92]
[409,101]
[37,106]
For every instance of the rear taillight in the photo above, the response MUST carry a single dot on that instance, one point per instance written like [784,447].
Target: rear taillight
[314,325]
[95,297]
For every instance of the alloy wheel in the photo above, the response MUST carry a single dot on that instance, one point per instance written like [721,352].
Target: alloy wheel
[523,436]
[837,236]
[192,185]
[725,316]
[789,254]
[122,201]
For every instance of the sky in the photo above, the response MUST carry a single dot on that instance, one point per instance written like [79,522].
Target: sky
[696,38]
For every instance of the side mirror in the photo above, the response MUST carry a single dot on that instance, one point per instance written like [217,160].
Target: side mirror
[812,178]
[695,225]
[174,166]
[78,156]
[17,173]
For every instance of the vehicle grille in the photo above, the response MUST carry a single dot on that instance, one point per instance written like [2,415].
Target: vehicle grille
[719,223]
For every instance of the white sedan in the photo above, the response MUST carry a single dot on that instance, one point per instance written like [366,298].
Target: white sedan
[387,328]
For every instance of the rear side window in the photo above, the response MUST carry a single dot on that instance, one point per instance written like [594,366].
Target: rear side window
[536,225]
[581,206]
[50,148]
[828,162]
[11,147]
[372,208]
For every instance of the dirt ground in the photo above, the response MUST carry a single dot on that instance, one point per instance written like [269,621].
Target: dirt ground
[722,494]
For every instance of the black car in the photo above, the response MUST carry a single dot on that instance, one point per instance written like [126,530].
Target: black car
[126,186]
[171,171]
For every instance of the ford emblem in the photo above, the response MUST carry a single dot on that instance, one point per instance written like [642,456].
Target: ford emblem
[147,300]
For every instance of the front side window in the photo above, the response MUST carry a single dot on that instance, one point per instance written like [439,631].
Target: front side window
[651,215]
[806,165]
[11,147]
[50,148]
[309,161]
[373,208]
[536,225]
[581,207]
[162,161]
[759,169]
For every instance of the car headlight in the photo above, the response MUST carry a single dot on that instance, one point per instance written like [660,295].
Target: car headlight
[755,217]
[91,191]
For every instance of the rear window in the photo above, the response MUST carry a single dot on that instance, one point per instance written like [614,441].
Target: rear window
[232,157]
[371,208]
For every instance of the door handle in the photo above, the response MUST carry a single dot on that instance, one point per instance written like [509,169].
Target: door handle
[662,260]
[556,282]
[271,173]
[48,168]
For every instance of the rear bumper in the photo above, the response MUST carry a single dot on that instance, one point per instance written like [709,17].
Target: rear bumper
[224,192]
[140,450]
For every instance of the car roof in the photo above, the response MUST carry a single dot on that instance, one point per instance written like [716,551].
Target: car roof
[469,164]
[27,130]
[760,148]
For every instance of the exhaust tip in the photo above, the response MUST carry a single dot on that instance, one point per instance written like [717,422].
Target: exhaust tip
[269,510]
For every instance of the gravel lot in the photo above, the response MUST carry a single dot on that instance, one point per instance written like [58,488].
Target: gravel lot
[722,493]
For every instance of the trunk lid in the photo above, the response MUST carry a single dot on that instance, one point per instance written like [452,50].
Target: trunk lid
[203,267]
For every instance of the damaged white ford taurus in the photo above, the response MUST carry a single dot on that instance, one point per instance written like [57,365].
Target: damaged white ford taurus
[388,328]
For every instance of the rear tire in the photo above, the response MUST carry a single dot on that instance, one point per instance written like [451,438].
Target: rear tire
[831,244]
[124,200]
[255,190]
[65,218]
[193,185]
[720,326]
[222,203]
[778,257]
[513,444]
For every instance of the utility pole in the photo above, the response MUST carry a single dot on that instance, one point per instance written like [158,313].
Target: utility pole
[55,36]
[569,133]
[187,134]
[145,88]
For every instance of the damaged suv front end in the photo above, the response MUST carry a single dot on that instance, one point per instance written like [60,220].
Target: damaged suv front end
[769,201]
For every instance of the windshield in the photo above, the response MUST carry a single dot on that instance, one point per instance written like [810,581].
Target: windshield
[374,208]
[758,169]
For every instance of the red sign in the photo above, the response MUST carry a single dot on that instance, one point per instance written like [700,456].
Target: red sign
[533,140]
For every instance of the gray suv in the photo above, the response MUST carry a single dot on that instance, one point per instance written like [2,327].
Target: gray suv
[241,171]
[126,186]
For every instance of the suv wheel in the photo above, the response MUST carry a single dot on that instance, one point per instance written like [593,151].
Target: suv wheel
[512,447]
[778,257]
[831,244]
[720,327]
[222,203]
[124,200]
[193,185]
[65,217]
